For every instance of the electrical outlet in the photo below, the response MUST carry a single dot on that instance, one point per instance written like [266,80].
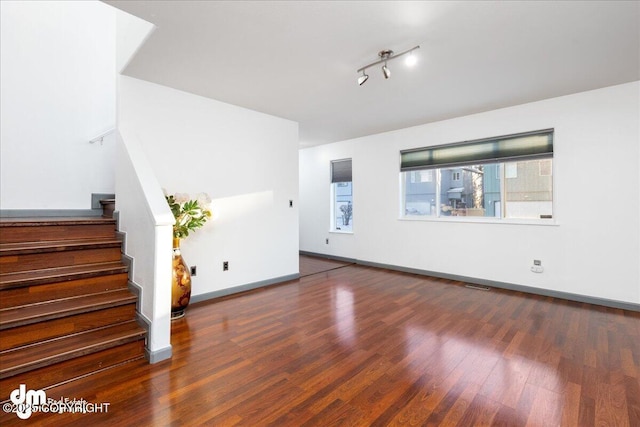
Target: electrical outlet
[537,266]
[193,270]
[290,203]
[225,266]
[327,241]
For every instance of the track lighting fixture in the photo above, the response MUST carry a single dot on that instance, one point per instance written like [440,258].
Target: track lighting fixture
[385,56]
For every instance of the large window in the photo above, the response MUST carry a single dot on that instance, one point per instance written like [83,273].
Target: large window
[503,177]
[341,196]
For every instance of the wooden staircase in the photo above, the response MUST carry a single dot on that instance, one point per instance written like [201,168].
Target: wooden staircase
[65,307]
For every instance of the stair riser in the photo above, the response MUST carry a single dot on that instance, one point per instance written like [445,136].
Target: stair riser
[13,264]
[64,371]
[40,293]
[28,334]
[15,234]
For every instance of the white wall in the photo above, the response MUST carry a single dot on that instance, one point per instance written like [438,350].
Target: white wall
[594,249]
[57,91]
[247,162]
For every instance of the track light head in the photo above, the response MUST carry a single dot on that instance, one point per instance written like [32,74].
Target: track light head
[386,71]
[363,78]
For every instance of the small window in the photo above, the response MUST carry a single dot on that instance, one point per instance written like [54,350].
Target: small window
[341,196]
[545,168]
[421,176]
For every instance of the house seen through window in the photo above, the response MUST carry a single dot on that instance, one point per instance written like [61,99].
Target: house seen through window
[503,177]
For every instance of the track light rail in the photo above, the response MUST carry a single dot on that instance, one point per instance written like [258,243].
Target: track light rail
[387,55]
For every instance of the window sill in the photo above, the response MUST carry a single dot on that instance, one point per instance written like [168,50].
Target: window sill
[340,232]
[480,220]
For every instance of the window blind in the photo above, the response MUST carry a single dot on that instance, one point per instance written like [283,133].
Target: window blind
[341,171]
[524,146]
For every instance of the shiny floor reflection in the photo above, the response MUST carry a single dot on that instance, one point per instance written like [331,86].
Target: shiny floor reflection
[362,346]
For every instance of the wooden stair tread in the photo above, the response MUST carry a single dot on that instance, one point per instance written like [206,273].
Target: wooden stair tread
[24,315]
[66,289]
[44,221]
[7,249]
[36,229]
[59,274]
[32,333]
[22,359]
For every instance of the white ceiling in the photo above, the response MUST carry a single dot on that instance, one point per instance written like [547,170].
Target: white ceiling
[298,59]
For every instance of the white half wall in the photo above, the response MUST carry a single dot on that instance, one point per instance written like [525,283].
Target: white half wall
[594,248]
[57,91]
[147,221]
[246,161]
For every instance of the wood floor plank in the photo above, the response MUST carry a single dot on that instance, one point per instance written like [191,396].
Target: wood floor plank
[546,408]
[571,407]
[461,405]
[362,346]
[611,406]
[481,412]
[632,392]
[506,382]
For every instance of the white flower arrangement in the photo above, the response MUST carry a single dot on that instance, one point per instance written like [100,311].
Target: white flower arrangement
[190,214]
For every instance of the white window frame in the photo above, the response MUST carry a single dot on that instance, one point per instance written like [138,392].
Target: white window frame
[333,205]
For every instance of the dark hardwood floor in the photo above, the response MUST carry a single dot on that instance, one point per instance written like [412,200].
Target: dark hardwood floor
[360,346]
